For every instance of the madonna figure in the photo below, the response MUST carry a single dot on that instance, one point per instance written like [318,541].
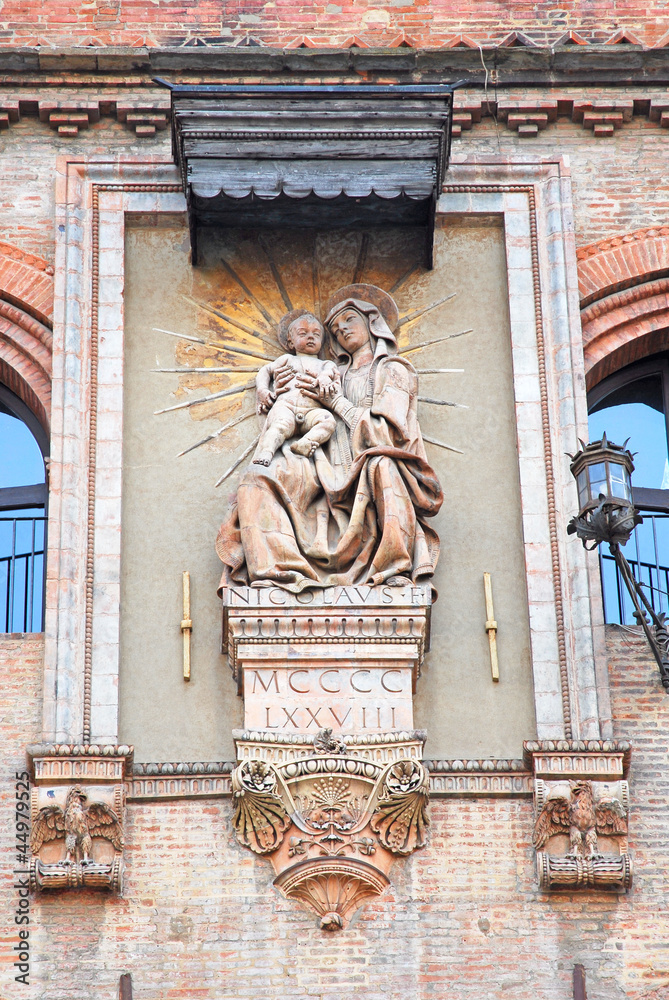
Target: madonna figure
[355,511]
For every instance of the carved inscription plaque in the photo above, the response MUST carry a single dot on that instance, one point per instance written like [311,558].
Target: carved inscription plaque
[355,698]
[336,648]
[339,597]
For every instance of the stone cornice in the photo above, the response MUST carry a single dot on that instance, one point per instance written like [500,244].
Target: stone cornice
[507,65]
[471,778]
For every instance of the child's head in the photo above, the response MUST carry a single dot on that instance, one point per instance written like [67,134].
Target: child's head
[303,334]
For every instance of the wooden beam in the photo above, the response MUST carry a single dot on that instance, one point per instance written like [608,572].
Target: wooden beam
[125,987]
[579,983]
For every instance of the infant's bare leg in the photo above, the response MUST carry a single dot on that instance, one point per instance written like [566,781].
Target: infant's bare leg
[321,426]
[280,425]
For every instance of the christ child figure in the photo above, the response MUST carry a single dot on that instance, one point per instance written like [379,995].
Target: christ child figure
[279,395]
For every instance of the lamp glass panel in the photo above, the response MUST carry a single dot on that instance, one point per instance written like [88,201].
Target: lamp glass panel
[620,483]
[582,486]
[598,484]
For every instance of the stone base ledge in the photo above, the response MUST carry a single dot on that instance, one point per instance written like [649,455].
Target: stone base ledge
[607,871]
[603,760]
[278,748]
[67,763]
[78,875]
[448,778]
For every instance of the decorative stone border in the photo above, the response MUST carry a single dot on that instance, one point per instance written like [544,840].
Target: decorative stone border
[570,682]
[67,763]
[82,640]
[180,780]
[82,619]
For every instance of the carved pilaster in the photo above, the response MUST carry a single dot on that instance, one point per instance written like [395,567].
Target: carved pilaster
[581,799]
[77,815]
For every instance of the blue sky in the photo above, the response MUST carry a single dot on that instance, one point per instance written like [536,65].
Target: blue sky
[21,462]
[646,430]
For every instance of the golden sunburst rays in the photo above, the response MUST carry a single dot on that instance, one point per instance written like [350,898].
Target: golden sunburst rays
[256,279]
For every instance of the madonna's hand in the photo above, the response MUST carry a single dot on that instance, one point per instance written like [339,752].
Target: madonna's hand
[310,386]
[283,376]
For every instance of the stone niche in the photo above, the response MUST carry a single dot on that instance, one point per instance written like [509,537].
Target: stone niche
[459,342]
[329,783]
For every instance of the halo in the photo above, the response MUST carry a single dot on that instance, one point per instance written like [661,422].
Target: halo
[284,324]
[367,293]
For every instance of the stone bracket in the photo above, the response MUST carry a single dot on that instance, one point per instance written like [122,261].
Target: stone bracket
[67,117]
[331,815]
[530,116]
[77,805]
[581,799]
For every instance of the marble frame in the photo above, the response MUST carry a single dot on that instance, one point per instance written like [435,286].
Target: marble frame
[83,566]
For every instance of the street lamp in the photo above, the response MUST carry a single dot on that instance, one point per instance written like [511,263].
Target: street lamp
[602,471]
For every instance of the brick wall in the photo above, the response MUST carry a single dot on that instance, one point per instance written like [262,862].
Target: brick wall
[28,176]
[21,659]
[462,920]
[430,23]
[615,180]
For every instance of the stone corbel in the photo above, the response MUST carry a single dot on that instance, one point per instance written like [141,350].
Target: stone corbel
[77,815]
[144,120]
[581,798]
[67,117]
[9,112]
[602,117]
[527,118]
[331,815]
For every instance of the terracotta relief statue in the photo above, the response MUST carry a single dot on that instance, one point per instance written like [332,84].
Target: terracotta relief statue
[290,410]
[347,500]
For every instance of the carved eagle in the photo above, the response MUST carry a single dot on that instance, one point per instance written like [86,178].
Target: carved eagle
[581,818]
[78,823]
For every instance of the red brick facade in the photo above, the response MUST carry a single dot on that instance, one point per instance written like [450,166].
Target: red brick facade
[463,918]
[413,23]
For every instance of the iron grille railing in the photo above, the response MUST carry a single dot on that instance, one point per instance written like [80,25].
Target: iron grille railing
[648,555]
[22,573]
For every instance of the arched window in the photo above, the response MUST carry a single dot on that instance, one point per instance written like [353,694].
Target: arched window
[634,403]
[23,501]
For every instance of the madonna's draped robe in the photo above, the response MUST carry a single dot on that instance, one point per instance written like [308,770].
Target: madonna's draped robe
[353,513]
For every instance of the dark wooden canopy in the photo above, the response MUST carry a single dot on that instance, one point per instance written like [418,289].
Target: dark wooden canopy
[311,156]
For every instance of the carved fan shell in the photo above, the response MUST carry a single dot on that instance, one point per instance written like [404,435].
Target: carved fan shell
[400,818]
[260,818]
